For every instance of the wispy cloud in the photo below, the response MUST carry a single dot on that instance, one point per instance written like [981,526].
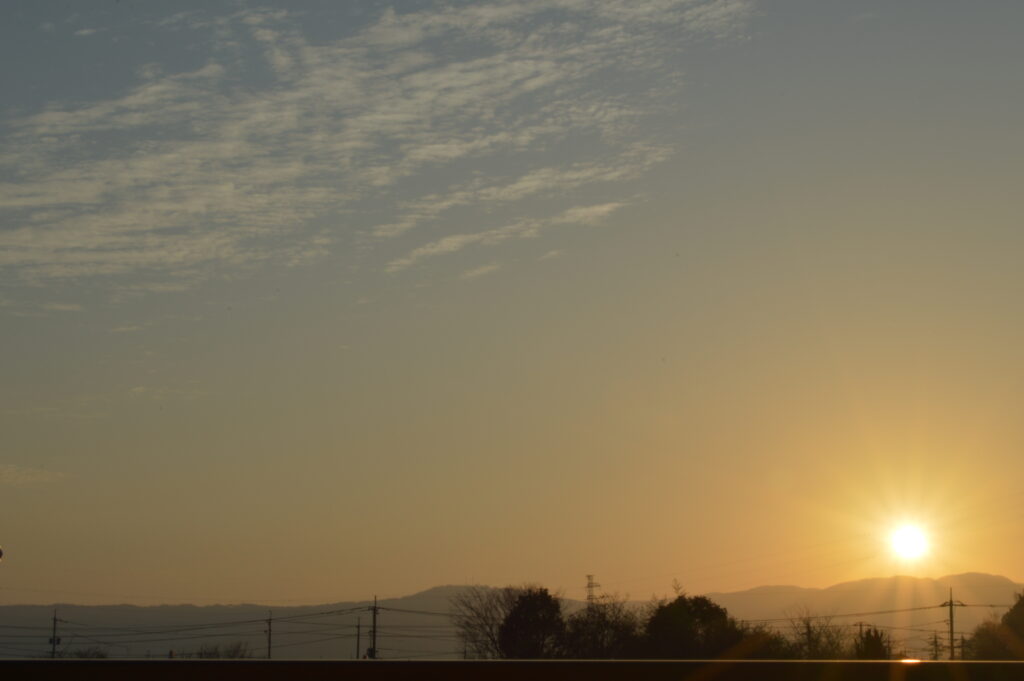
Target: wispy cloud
[629,164]
[503,100]
[62,307]
[11,474]
[480,271]
[523,229]
[718,19]
[161,393]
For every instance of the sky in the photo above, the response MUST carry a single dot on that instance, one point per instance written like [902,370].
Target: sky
[305,302]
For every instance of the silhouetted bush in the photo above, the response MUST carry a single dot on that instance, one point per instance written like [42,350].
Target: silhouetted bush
[533,628]
[528,623]
[872,644]
[478,613]
[604,630]
[816,638]
[1002,640]
[90,653]
[692,628]
[236,650]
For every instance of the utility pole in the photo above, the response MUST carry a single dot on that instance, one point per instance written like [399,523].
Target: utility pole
[810,637]
[270,629]
[373,632]
[952,604]
[53,638]
[359,642]
[952,645]
[936,646]
[591,595]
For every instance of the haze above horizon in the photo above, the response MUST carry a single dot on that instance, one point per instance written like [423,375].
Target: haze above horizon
[301,302]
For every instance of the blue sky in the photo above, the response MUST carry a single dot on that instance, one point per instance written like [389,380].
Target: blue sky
[179,147]
[508,291]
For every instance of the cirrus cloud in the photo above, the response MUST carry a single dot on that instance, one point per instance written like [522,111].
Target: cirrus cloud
[509,102]
[15,475]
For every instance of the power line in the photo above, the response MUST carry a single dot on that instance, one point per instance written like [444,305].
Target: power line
[240,628]
[312,629]
[313,642]
[125,631]
[173,629]
[417,612]
[846,614]
[26,651]
[27,628]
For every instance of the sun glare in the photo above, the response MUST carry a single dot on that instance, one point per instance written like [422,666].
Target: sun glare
[908,542]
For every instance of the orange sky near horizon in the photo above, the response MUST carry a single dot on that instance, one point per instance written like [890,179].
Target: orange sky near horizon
[305,303]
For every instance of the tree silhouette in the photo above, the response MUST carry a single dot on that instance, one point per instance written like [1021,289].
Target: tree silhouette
[604,630]
[1002,640]
[92,652]
[689,628]
[533,628]
[528,623]
[764,643]
[478,613]
[872,644]
[816,638]
[236,650]
[986,643]
[1013,628]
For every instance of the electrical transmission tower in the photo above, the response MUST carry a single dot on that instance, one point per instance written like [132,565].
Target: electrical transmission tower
[591,590]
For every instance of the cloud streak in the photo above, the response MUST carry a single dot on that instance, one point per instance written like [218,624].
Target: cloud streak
[18,476]
[480,271]
[523,229]
[503,100]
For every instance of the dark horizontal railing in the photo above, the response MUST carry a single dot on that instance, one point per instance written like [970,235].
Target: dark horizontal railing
[561,670]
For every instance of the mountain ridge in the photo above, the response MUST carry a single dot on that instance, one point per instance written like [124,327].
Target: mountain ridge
[416,625]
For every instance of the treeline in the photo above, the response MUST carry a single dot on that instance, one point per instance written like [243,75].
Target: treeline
[1001,639]
[530,623]
[231,651]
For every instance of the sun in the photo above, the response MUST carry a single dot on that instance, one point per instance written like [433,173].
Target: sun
[909,542]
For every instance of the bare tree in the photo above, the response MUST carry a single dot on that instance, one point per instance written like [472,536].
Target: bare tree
[1001,639]
[478,612]
[816,638]
[606,629]
[232,651]
[92,652]
[872,644]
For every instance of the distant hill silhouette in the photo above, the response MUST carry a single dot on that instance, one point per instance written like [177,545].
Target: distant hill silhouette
[408,627]
[414,626]
[987,596]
